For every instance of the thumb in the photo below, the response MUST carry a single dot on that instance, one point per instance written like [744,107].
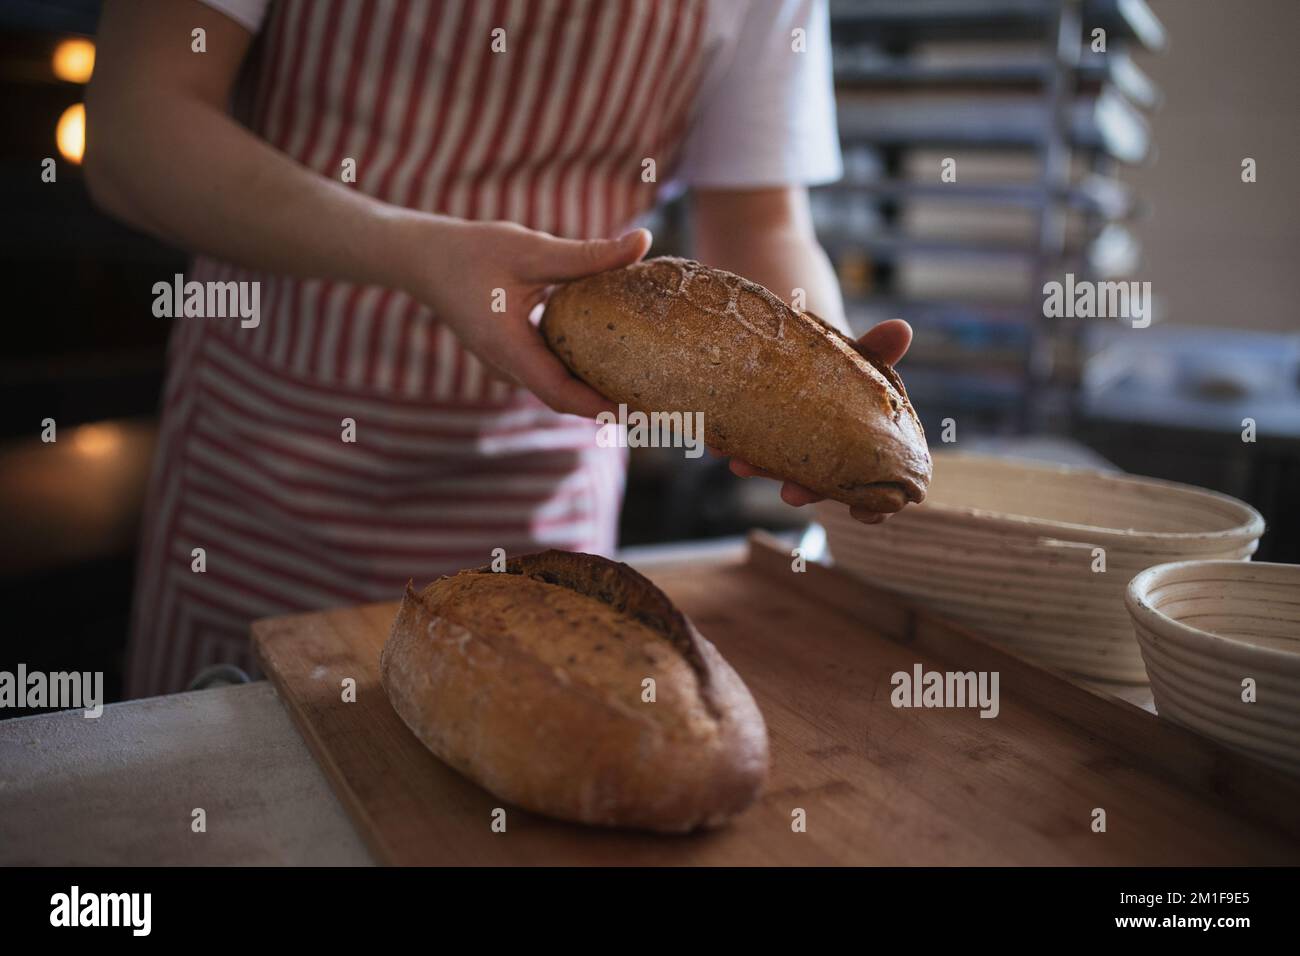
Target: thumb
[559,260]
[888,341]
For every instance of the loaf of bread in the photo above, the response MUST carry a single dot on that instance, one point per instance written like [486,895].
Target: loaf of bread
[570,685]
[777,388]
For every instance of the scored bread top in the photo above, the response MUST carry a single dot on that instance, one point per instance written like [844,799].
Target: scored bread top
[776,387]
[530,682]
[649,288]
[592,622]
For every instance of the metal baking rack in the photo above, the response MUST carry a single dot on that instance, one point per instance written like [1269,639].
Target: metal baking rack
[1039,125]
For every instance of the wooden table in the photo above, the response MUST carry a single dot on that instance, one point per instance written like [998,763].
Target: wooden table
[878,784]
[120,790]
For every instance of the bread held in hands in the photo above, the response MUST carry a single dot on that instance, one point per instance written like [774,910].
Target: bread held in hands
[777,388]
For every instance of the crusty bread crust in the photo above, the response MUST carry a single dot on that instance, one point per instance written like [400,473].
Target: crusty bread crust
[778,388]
[529,682]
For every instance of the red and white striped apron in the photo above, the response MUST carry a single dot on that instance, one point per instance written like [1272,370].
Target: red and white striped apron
[447,464]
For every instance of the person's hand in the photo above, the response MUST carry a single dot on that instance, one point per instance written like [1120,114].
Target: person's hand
[475,259]
[888,342]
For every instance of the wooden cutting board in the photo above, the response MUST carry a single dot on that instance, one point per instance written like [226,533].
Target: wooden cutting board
[877,784]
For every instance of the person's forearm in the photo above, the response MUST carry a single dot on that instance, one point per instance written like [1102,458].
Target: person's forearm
[767,235]
[183,170]
[784,261]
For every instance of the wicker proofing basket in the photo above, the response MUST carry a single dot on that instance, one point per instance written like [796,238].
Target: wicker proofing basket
[1206,626]
[1008,547]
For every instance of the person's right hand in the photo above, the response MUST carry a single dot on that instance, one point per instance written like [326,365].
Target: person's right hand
[474,259]
[888,341]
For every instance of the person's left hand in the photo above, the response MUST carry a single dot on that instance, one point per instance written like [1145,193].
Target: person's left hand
[888,342]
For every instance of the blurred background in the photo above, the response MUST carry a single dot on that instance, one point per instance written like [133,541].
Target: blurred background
[1125,164]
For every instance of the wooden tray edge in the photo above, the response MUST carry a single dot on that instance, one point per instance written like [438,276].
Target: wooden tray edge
[1234,780]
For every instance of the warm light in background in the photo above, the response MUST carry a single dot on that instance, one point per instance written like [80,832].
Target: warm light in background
[74,60]
[97,441]
[71,132]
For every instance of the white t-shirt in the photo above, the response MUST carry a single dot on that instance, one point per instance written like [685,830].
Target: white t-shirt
[765,111]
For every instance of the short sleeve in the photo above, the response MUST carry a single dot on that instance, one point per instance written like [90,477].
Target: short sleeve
[247,13]
[767,118]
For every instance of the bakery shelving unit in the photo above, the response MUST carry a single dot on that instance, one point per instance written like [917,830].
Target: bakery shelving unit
[1038,125]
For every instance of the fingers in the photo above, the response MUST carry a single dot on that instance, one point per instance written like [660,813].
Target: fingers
[798,495]
[570,396]
[743,469]
[559,260]
[791,493]
[867,516]
[888,341]
[539,371]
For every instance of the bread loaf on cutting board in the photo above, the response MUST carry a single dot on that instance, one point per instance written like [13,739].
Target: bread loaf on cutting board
[531,682]
[777,388]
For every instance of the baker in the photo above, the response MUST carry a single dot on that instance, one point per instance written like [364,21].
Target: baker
[385,172]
